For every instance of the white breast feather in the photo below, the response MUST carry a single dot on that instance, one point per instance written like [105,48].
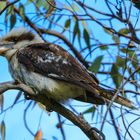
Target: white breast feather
[55,89]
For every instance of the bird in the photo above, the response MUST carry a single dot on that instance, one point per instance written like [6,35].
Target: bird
[49,69]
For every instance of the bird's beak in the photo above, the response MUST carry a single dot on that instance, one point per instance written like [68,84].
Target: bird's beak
[5,46]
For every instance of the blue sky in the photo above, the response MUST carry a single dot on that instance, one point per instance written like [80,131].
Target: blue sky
[13,118]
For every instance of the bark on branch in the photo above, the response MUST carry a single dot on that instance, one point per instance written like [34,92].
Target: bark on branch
[92,133]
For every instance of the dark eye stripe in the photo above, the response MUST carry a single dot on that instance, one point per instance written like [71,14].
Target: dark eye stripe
[25,36]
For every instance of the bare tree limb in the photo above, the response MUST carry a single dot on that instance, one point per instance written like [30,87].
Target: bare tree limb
[91,133]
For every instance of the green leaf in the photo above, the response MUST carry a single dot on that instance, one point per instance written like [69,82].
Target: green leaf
[124,31]
[133,58]
[1,101]
[103,47]
[90,110]
[120,62]
[3,128]
[39,3]
[87,38]
[67,23]
[9,11]
[12,20]
[2,5]
[79,39]
[116,38]
[116,76]
[96,64]
[75,7]
[75,31]
[84,24]
[22,11]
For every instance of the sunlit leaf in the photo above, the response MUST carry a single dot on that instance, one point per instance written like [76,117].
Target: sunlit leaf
[84,24]
[75,7]
[3,130]
[96,64]
[133,58]
[22,11]
[2,5]
[51,8]
[9,11]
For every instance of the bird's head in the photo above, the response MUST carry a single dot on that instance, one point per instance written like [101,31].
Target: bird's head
[17,39]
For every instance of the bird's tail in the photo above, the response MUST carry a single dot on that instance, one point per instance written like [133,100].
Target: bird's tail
[109,95]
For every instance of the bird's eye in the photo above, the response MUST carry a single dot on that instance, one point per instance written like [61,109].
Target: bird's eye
[15,40]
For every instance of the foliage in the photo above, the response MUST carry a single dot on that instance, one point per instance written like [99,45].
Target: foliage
[102,35]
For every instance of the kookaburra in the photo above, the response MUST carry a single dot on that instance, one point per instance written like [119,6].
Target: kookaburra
[51,70]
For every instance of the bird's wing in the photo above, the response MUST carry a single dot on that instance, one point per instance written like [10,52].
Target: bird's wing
[53,61]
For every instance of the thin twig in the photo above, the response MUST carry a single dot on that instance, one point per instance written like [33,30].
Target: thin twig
[61,127]
[114,124]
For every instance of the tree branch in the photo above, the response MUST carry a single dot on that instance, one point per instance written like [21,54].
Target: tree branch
[92,134]
[114,124]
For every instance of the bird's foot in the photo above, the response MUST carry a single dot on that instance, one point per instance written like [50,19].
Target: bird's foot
[27,96]
[101,134]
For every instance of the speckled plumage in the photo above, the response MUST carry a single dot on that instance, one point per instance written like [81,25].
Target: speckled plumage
[50,70]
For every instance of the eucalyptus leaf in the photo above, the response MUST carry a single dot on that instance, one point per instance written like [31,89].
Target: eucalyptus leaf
[3,130]
[96,64]
[124,31]
[87,38]
[116,76]
[12,20]
[2,5]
